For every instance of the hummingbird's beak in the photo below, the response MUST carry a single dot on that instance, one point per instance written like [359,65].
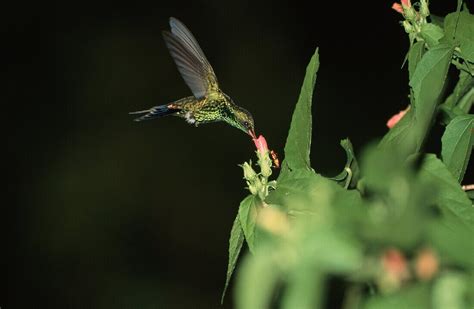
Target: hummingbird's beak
[252,133]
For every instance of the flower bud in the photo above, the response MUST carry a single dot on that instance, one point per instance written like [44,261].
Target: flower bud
[424,10]
[265,164]
[397,7]
[409,12]
[254,187]
[406,3]
[408,27]
[396,118]
[249,174]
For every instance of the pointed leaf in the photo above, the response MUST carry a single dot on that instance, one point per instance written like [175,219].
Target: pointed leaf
[459,28]
[428,81]
[431,34]
[414,56]
[248,212]
[236,241]
[298,143]
[457,144]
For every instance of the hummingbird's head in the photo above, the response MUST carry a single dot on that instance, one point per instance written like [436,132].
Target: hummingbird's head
[244,121]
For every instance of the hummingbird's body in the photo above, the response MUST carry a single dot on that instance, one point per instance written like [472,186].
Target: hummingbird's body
[208,103]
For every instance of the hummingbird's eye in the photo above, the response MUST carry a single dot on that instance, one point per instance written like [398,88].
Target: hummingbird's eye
[246,124]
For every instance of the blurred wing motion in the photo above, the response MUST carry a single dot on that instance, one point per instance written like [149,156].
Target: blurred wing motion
[190,59]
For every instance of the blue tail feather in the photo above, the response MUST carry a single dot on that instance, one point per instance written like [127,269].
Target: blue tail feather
[154,112]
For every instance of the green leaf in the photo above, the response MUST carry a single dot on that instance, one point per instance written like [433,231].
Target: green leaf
[395,201]
[428,80]
[464,85]
[453,240]
[457,144]
[298,143]
[431,34]
[427,84]
[329,249]
[414,296]
[414,56]
[299,192]
[236,241]
[248,212]
[459,29]
[449,195]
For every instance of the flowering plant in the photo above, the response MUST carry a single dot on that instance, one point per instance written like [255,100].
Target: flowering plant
[393,229]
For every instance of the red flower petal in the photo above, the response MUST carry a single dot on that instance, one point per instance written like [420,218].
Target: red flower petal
[397,7]
[396,118]
[406,3]
[261,144]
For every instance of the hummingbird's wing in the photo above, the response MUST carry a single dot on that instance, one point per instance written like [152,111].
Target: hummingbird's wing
[190,59]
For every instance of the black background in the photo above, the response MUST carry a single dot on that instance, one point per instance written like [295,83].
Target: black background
[102,212]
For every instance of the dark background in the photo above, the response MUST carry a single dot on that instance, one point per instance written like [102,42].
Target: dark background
[103,212]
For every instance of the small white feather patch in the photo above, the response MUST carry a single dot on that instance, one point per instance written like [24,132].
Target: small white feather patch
[189,118]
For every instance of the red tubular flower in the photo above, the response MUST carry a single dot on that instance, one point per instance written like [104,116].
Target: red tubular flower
[397,7]
[396,118]
[400,8]
[261,144]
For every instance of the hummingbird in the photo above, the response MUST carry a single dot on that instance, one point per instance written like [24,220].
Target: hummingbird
[208,102]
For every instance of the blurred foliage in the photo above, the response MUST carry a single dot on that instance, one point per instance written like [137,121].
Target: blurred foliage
[396,230]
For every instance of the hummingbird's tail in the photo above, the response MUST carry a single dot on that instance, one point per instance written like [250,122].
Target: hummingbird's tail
[154,112]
